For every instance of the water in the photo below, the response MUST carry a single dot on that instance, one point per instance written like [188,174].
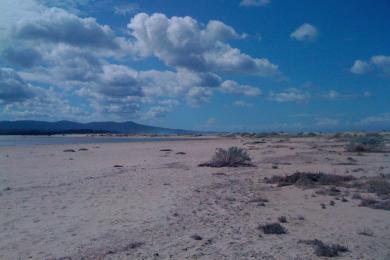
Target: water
[18,140]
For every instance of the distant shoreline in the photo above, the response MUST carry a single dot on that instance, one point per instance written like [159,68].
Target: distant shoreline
[79,139]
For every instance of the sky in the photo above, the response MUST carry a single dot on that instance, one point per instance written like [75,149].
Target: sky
[223,65]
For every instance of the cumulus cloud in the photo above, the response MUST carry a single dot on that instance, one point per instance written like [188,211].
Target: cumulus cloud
[379,63]
[360,67]
[230,86]
[255,2]
[59,54]
[119,81]
[157,112]
[305,32]
[72,64]
[56,25]
[382,62]
[42,105]
[184,43]
[198,95]
[290,95]
[24,57]
[21,100]
[13,88]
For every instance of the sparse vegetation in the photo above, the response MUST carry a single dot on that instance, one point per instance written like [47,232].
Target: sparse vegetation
[357,196]
[376,204]
[273,228]
[325,250]
[366,143]
[282,219]
[365,232]
[308,179]
[378,185]
[232,157]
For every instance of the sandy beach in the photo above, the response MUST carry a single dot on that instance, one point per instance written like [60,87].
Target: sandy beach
[151,200]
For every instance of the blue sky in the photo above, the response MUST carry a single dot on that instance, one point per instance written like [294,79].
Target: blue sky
[245,65]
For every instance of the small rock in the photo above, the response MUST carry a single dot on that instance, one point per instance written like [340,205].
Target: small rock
[196,237]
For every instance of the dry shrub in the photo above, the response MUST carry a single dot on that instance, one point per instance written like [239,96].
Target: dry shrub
[366,143]
[375,204]
[308,179]
[325,250]
[232,157]
[273,228]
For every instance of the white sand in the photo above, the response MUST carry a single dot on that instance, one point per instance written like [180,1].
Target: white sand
[53,207]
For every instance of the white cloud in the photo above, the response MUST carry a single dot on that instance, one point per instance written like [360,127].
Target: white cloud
[242,103]
[184,43]
[333,94]
[230,86]
[305,32]
[126,9]
[382,62]
[377,119]
[13,11]
[156,112]
[56,25]
[379,63]
[20,100]
[198,95]
[255,2]
[290,95]
[120,81]
[61,54]
[360,67]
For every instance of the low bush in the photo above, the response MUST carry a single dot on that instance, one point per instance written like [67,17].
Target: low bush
[377,185]
[273,228]
[232,157]
[375,204]
[325,250]
[308,179]
[366,143]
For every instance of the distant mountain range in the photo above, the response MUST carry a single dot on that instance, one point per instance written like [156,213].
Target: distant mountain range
[25,127]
